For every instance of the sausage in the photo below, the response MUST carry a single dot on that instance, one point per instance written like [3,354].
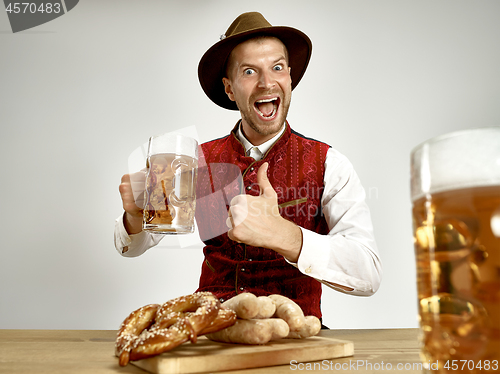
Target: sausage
[289,311]
[248,306]
[252,331]
[266,307]
[311,327]
[245,331]
[245,305]
[280,328]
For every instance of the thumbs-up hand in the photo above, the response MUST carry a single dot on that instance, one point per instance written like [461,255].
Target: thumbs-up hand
[256,221]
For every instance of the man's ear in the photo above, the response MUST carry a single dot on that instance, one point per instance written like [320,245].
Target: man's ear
[227,88]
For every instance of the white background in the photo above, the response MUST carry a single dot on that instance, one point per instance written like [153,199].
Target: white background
[80,93]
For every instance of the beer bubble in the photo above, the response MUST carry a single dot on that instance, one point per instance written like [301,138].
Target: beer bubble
[455,326]
[445,240]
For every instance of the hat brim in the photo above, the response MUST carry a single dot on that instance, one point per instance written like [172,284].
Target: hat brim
[212,64]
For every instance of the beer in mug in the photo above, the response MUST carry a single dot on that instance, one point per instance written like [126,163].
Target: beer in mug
[170,193]
[456,225]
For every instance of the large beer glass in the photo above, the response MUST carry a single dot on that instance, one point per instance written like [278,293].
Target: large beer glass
[170,195]
[455,190]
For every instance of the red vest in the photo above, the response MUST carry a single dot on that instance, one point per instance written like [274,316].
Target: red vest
[296,169]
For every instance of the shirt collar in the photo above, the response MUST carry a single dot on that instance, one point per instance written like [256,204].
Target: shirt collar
[263,148]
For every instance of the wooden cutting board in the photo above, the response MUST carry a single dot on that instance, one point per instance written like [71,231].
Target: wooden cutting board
[209,356]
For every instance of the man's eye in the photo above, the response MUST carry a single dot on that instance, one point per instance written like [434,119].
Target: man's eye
[278,67]
[248,71]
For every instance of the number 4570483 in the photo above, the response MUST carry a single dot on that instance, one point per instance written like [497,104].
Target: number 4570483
[471,365]
[33,8]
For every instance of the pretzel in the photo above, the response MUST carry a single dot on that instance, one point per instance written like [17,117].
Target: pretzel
[138,321]
[154,329]
[225,318]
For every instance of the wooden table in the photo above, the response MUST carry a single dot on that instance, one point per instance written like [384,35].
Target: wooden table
[92,351]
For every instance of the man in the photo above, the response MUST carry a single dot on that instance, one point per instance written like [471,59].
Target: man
[301,219]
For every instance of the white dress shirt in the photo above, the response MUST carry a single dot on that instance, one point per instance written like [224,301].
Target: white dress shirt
[347,256]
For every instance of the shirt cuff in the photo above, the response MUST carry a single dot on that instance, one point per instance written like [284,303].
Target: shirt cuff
[130,245]
[122,239]
[314,255]
[314,261]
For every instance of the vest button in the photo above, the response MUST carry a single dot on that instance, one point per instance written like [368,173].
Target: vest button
[249,188]
[242,289]
[242,269]
[252,168]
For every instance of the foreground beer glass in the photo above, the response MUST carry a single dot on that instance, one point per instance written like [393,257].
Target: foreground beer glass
[455,190]
[170,195]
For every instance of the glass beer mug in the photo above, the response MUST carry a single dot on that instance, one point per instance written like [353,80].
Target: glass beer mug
[455,191]
[170,194]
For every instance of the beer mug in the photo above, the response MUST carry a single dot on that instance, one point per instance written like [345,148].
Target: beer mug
[170,191]
[455,191]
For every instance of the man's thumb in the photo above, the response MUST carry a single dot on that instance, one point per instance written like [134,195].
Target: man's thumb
[262,179]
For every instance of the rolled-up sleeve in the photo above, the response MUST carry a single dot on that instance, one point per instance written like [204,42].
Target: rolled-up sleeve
[347,256]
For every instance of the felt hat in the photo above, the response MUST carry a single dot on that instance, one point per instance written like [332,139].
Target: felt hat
[211,68]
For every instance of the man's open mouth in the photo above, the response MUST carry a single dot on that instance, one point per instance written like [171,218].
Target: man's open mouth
[267,108]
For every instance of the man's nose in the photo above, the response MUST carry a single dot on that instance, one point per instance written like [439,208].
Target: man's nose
[266,80]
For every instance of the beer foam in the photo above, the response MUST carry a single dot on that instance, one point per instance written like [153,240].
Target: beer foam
[462,159]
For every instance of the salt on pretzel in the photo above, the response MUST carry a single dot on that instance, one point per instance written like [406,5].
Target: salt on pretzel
[138,321]
[225,318]
[199,310]
[154,329]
